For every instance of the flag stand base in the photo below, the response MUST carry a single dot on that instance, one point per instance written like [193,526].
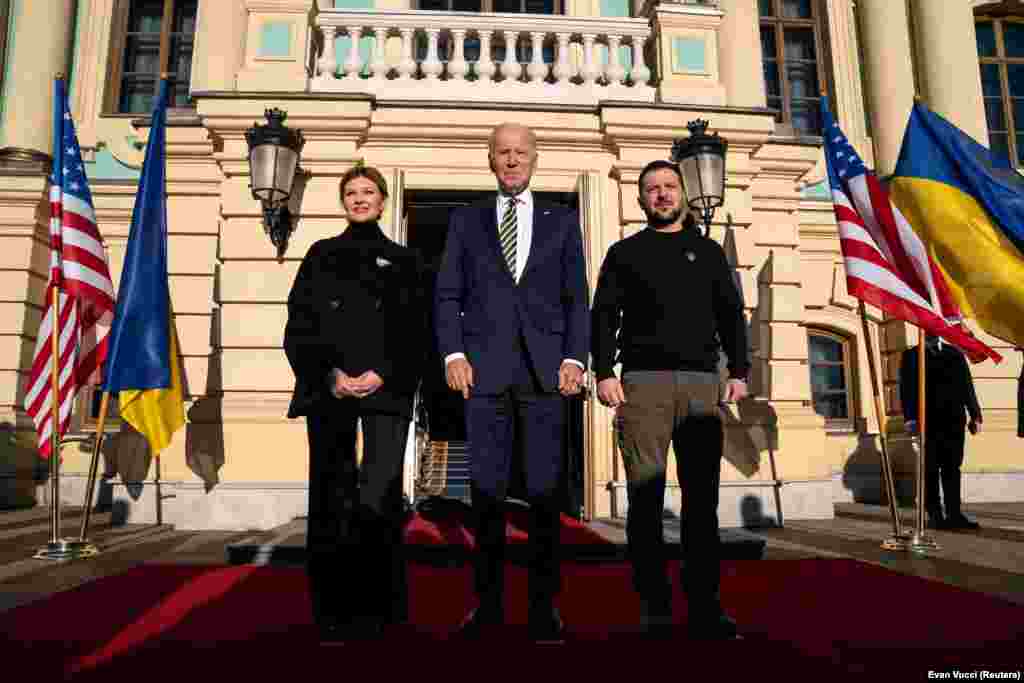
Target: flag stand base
[66,549]
[920,544]
[897,543]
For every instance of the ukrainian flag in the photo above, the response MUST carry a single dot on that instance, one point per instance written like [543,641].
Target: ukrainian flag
[142,363]
[967,205]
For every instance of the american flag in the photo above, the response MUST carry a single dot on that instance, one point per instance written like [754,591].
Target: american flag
[78,268]
[887,265]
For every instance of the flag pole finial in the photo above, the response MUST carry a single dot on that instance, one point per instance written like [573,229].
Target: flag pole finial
[59,76]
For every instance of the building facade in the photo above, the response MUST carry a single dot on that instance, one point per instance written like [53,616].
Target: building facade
[414,87]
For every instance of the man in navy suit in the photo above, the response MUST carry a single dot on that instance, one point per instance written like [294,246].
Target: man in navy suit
[513,327]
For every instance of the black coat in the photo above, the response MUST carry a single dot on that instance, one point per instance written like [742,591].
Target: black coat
[948,385]
[357,304]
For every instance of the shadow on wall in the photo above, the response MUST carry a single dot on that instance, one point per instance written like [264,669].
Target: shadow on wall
[862,475]
[21,468]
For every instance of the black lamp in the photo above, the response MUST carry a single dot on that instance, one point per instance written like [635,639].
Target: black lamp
[701,159]
[274,151]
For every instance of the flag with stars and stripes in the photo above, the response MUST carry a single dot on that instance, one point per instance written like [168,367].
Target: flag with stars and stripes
[79,271]
[886,263]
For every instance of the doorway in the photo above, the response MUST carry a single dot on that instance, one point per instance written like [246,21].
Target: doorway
[442,458]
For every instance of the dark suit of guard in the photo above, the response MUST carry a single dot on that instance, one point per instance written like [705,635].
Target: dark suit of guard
[515,336]
[949,398]
[356,305]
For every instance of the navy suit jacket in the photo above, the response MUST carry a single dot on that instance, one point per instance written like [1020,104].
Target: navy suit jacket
[481,310]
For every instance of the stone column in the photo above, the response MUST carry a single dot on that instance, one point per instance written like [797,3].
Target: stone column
[889,75]
[38,51]
[947,56]
[742,72]
[220,43]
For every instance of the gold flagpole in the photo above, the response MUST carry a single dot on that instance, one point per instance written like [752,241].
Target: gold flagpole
[898,541]
[920,541]
[85,546]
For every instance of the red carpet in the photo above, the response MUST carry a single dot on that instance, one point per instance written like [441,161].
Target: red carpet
[825,619]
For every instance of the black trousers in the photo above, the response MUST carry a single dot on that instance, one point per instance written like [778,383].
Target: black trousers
[492,424]
[944,455]
[356,515]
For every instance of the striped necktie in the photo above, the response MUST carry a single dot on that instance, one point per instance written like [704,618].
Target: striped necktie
[507,234]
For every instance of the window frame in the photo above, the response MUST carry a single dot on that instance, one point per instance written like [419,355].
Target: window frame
[487,7]
[87,423]
[847,345]
[1015,147]
[778,24]
[115,63]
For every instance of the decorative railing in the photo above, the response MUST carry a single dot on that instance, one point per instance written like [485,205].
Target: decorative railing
[467,56]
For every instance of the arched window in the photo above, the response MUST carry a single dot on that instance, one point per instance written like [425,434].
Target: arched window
[792,50]
[831,385]
[1000,39]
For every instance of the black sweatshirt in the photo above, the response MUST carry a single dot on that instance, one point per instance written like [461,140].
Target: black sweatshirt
[672,300]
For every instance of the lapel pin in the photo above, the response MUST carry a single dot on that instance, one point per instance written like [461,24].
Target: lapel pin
[691,257]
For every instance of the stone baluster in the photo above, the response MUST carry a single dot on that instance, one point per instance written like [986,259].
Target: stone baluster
[432,66]
[354,63]
[485,67]
[458,67]
[640,74]
[538,70]
[407,66]
[328,62]
[615,72]
[590,69]
[511,69]
[563,67]
[379,65]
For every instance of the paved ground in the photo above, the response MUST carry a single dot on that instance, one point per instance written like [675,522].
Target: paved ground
[990,560]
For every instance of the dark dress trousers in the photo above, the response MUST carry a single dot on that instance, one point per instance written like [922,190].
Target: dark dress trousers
[356,305]
[949,397]
[515,336]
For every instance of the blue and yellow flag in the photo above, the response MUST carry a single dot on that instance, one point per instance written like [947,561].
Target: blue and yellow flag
[142,363]
[967,205]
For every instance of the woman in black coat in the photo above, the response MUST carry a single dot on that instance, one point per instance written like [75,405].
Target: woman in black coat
[355,338]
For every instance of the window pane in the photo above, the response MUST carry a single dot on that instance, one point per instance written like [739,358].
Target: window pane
[434,5]
[999,143]
[798,43]
[1013,39]
[831,406]
[1015,78]
[776,104]
[508,5]
[137,93]
[771,79]
[768,42]
[540,6]
[466,5]
[827,378]
[796,9]
[146,16]
[185,16]
[986,34]
[142,54]
[180,62]
[764,8]
[803,79]
[990,84]
[825,349]
[994,115]
[807,117]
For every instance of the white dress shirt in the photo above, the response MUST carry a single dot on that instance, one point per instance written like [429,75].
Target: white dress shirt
[524,239]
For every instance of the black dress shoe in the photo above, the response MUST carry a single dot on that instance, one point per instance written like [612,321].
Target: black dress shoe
[478,621]
[935,522]
[332,634]
[713,628]
[656,618]
[958,521]
[546,627]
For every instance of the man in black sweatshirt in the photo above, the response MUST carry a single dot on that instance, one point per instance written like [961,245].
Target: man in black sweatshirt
[667,301]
